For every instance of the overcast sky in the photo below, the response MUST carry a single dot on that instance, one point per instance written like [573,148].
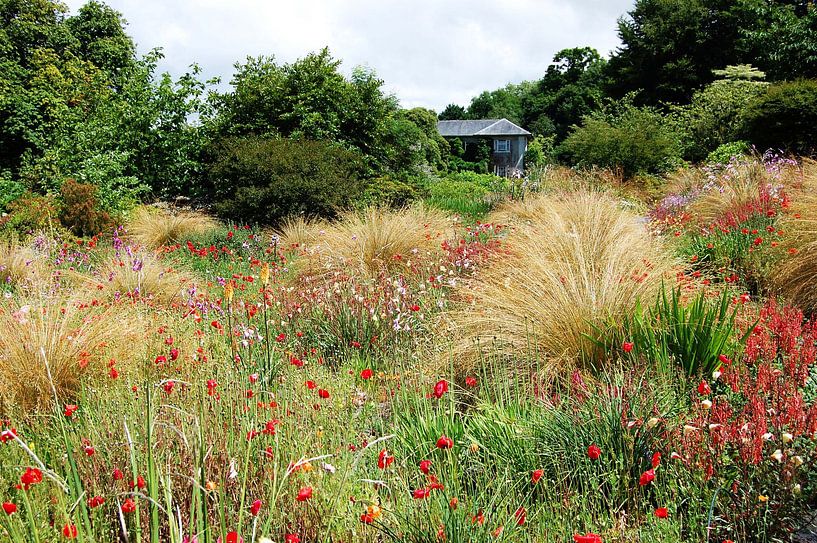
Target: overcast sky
[429,52]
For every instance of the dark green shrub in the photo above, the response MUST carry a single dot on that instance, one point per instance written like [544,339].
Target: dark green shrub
[79,211]
[785,117]
[264,180]
[632,140]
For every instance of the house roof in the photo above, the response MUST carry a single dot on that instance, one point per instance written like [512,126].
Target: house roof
[481,127]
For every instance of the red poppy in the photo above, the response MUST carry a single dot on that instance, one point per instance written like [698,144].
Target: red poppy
[281,337]
[233,537]
[117,474]
[661,512]
[9,507]
[304,494]
[310,385]
[256,507]
[70,409]
[70,531]
[593,452]
[453,502]
[479,518]
[174,353]
[445,442]
[420,493]
[366,518]
[703,388]
[471,382]
[536,475]
[656,460]
[113,373]
[168,386]
[32,476]
[647,477]
[292,538]
[160,360]
[425,466]
[366,374]
[95,502]
[384,459]
[521,514]
[8,435]
[323,393]
[211,387]
[128,506]
[627,346]
[587,538]
[440,388]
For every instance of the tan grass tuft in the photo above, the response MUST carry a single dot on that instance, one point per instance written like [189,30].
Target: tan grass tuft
[154,228]
[20,265]
[143,276]
[796,276]
[70,337]
[375,240]
[579,260]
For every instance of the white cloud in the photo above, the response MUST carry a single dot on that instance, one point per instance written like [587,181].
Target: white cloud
[429,52]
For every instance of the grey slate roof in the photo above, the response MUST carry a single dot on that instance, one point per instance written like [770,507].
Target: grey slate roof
[482,127]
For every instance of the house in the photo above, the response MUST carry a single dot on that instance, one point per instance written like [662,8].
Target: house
[508,142]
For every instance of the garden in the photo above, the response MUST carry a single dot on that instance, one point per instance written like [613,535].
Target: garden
[578,364]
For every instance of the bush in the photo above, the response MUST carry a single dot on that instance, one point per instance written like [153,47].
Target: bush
[715,115]
[264,180]
[785,117]
[633,140]
[389,191]
[9,191]
[80,211]
[726,152]
[580,260]
[29,213]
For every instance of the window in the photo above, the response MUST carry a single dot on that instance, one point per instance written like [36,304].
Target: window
[502,146]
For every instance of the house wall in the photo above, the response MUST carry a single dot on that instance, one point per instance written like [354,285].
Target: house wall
[503,163]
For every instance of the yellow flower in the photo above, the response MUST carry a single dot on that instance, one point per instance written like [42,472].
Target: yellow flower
[762,499]
[228,292]
[474,447]
[265,274]
[210,486]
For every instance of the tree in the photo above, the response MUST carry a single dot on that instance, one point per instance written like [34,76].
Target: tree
[715,115]
[670,47]
[572,88]
[498,104]
[785,117]
[452,112]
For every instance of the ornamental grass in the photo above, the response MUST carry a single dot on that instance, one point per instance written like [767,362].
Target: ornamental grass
[578,262]
[155,228]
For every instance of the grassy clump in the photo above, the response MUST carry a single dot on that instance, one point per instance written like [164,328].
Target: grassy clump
[580,260]
[157,228]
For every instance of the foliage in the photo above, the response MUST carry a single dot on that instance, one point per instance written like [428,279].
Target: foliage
[630,139]
[784,117]
[504,103]
[392,192]
[727,152]
[29,213]
[694,335]
[469,194]
[79,209]
[670,48]
[264,180]
[715,115]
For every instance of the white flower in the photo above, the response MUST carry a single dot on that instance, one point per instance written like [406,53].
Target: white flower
[797,460]
[706,404]
[796,488]
[778,455]
[328,468]
[715,375]
[767,436]
[689,429]
[787,437]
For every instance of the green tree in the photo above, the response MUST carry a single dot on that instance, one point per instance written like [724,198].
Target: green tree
[452,112]
[785,117]
[498,104]
[572,88]
[715,115]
